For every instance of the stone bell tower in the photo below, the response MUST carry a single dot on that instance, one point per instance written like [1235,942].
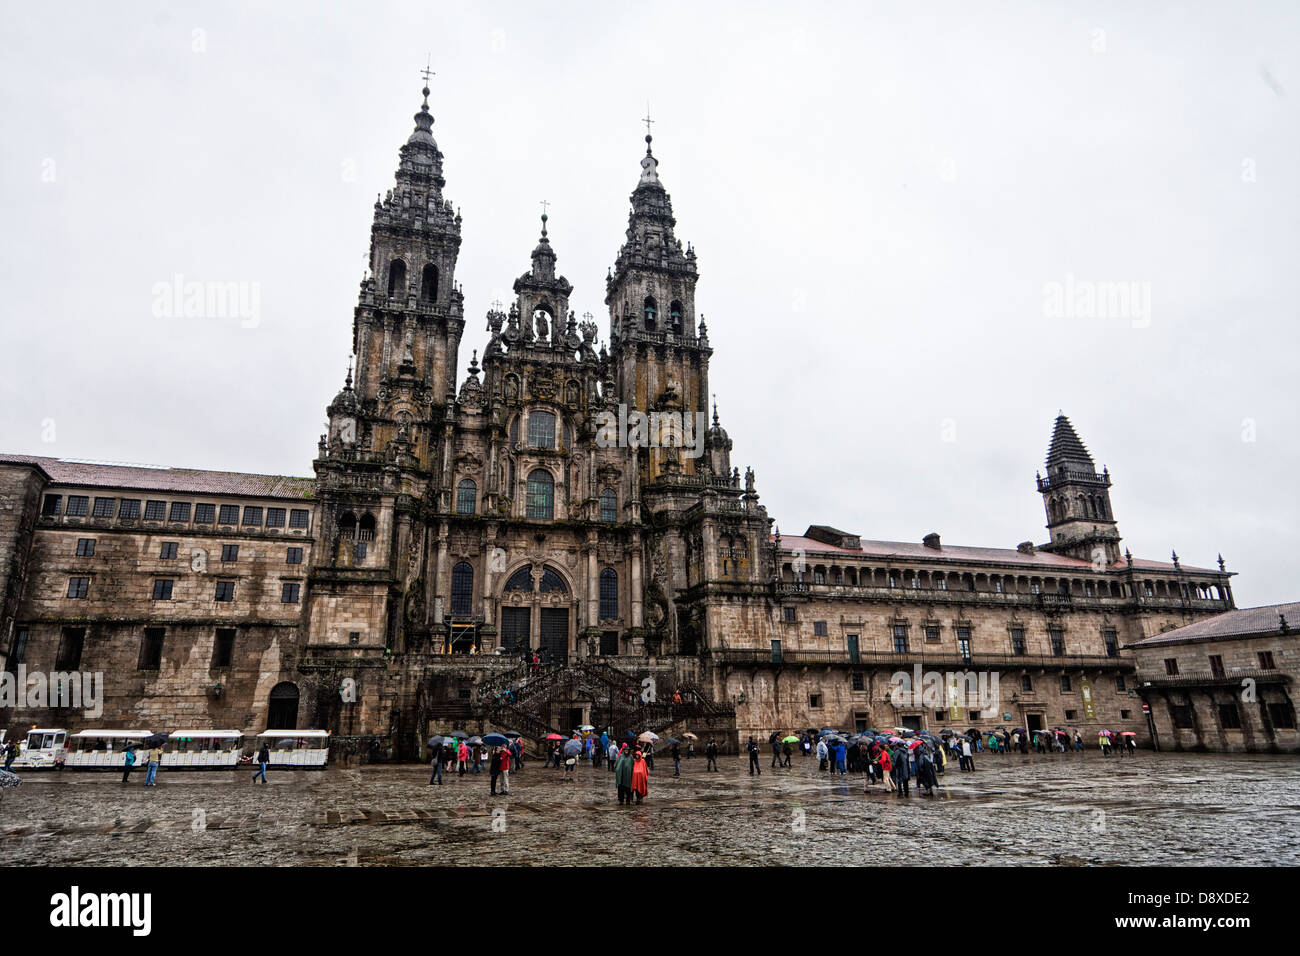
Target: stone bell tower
[1077,500]
[660,353]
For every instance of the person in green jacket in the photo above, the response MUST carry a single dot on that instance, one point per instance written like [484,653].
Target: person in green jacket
[623,776]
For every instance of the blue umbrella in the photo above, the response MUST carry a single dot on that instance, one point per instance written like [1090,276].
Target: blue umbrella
[573,748]
[495,740]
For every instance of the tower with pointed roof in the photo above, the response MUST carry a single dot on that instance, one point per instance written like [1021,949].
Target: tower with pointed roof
[659,346]
[1076,498]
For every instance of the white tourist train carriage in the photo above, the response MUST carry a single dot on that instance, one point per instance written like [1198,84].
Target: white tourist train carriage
[103,749]
[295,748]
[43,748]
[203,750]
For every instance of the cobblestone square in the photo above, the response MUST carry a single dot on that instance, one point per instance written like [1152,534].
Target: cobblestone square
[1072,809]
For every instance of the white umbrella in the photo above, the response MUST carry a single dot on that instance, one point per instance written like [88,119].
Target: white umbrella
[648,735]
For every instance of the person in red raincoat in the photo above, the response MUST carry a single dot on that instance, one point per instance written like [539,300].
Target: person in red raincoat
[640,776]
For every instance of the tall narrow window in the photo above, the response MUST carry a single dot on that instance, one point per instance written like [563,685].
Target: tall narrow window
[675,317]
[429,284]
[541,494]
[466,496]
[151,649]
[397,277]
[608,594]
[71,642]
[462,589]
[609,505]
[223,648]
[651,314]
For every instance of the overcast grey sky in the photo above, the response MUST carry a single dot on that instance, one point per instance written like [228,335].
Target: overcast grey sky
[881,197]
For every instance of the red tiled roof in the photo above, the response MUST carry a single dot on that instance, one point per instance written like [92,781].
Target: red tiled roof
[1242,622]
[64,471]
[903,550]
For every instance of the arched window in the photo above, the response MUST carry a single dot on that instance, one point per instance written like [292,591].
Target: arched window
[540,502]
[282,707]
[347,525]
[466,496]
[552,582]
[608,594]
[675,316]
[651,314]
[521,580]
[429,284]
[366,529]
[609,505]
[541,429]
[462,589]
[514,431]
[397,277]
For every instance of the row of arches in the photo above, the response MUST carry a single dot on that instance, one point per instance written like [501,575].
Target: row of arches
[428,281]
[835,575]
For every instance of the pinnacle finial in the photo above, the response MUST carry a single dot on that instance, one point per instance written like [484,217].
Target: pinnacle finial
[349,378]
[545,203]
[715,408]
[426,73]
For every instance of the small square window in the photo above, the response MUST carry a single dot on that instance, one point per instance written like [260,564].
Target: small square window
[85,547]
[103,508]
[53,505]
[1171,666]
[225,591]
[204,514]
[859,682]
[289,592]
[154,510]
[293,556]
[253,515]
[788,613]
[169,549]
[932,634]
[1124,714]
[298,518]
[819,629]
[78,587]
[78,505]
[162,589]
[814,700]
[230,552]
[275,517]
[354,637]
[129,508]
[229,514]
[1071,715]
[1266,661]
[180,511]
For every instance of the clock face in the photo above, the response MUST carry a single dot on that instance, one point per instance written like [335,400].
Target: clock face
[347,431]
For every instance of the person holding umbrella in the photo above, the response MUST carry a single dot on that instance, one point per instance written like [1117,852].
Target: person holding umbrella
[435,744]
[786,752]
[752,747]
[675,751]
[711,755]
[823,752]
[127,763]
[1103,739]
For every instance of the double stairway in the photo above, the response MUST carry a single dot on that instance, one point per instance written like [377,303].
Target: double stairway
[538,700]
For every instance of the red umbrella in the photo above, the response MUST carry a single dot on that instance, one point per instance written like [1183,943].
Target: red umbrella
[1128,733]
[555,737]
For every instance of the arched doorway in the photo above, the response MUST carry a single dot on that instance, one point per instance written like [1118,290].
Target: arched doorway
[282,709]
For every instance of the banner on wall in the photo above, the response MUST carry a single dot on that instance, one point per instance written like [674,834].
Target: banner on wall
[1085,691]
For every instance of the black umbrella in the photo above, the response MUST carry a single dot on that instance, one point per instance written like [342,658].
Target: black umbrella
[154,740]
[435,741]
[511,734]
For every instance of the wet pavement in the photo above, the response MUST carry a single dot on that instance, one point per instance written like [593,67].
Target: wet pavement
[1067,809]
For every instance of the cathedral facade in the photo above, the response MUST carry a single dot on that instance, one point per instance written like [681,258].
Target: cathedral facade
[558,537]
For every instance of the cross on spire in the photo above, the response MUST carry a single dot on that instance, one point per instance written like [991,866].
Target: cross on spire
[647,119]
[426,72]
